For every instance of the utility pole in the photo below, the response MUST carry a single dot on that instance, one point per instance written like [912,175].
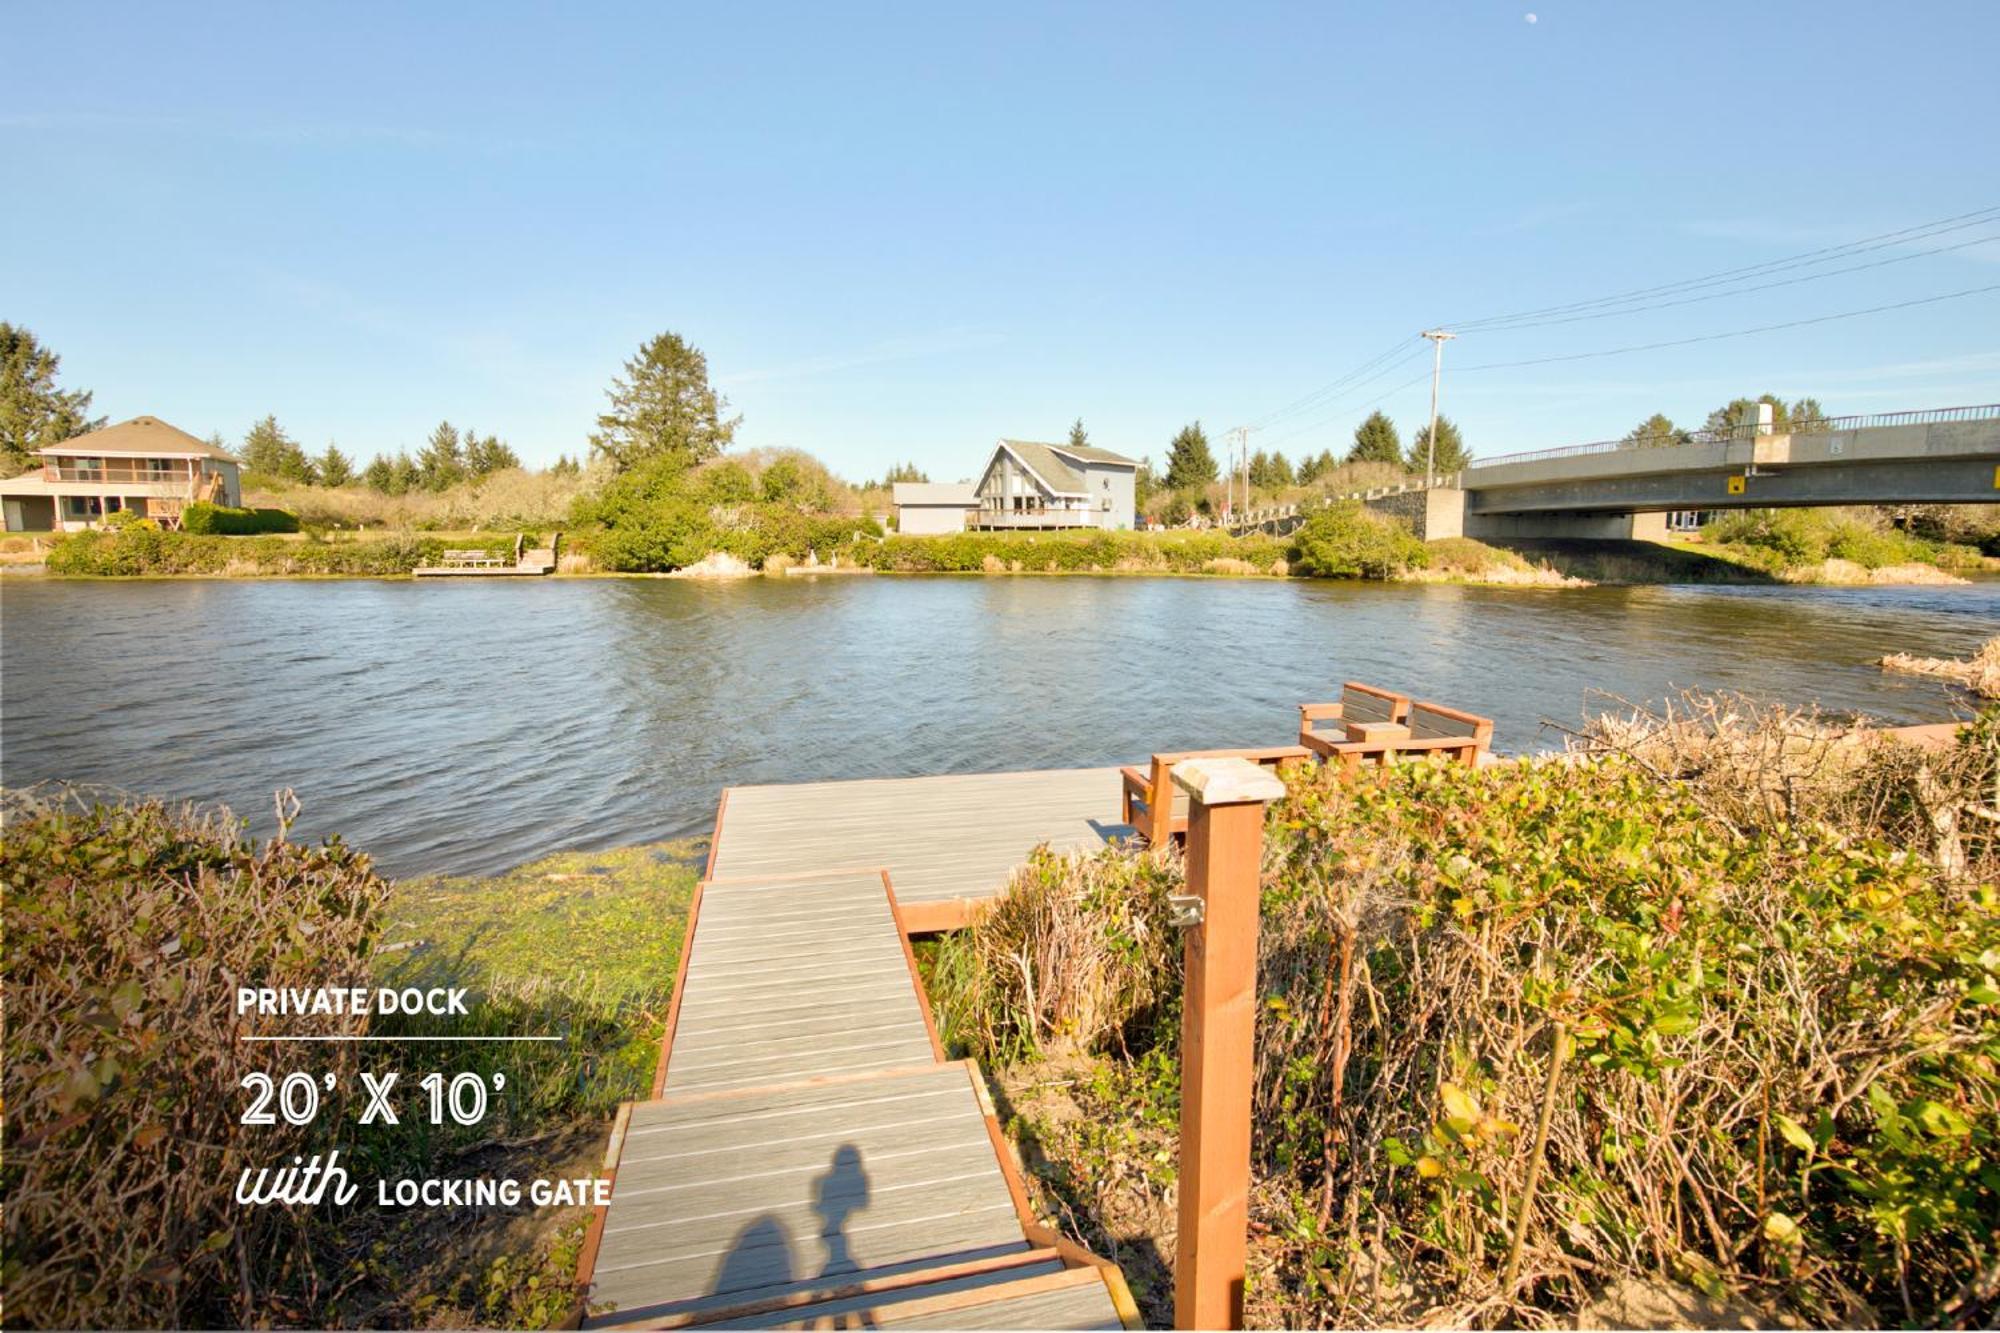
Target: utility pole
[1438,339]
[1239,461]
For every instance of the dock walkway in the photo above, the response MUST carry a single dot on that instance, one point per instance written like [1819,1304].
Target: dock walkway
[809,1158]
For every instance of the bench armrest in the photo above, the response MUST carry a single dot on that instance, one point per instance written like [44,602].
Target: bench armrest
[1135,780]
[1319,712]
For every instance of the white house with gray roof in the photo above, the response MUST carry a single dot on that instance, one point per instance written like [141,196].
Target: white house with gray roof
[1026,485]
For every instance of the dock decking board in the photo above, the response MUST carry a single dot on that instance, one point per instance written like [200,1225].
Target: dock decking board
[810,1157]
[939,838]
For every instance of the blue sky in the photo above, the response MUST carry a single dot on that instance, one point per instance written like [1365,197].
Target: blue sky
[902,232]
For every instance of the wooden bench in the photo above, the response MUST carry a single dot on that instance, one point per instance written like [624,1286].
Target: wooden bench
[1158,811]
[1432,729]
[1358,704]
[472,559]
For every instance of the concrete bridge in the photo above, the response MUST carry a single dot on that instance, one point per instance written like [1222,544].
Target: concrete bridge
[1611,490]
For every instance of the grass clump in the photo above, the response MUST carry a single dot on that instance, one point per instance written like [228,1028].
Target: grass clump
[1745,960]
[1085,551]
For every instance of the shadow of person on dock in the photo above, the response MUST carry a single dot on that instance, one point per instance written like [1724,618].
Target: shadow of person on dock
[838,1195]
[760,1256]
[761,1259]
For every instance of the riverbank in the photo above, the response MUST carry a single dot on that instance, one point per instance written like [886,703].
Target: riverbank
[1651,933]
[1546,564]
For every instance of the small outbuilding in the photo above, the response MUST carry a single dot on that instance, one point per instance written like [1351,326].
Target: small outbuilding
[929,507]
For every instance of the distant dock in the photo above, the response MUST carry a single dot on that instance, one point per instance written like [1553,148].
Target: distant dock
[475,563]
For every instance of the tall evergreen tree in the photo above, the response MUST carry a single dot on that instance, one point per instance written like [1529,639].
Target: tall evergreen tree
[379,475]
[1655,432]
[34,413]
[267,449]
[1189,463]
[663,407]
[334,467]
[483,457]
[442,459]
[1376,441]
[905,472]
[1078,439]
[1452,455]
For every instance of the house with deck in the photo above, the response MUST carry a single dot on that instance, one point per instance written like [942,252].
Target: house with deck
[1027,485]
[142,466]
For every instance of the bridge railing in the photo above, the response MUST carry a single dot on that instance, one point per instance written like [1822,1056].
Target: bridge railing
[1749,429]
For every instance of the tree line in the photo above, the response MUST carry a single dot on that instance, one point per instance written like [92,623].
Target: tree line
[1658,431]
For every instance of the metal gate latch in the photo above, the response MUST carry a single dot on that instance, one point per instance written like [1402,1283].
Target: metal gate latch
[1185,909]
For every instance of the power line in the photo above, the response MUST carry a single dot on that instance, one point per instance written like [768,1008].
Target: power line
[1921,231]
[1734,333]
[1343,381]
[1737,291]
[1359,385]
[1390,392]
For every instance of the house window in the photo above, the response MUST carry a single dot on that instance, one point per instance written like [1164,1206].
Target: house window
[79,507]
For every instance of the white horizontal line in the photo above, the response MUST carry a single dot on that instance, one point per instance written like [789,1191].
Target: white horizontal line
[265,1036]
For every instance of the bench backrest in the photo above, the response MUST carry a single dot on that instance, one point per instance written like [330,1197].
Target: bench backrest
[469,555]
[1166,804]
[1430,721]
[1365,703]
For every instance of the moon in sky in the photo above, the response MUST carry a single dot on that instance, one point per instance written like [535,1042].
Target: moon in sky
[1532,19]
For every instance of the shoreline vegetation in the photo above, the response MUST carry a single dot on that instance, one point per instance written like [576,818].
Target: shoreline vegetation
[1778,927]
[663,489]
[1365,547]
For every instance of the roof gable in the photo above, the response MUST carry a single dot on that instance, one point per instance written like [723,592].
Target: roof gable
[1083,453]
[142,436]
[1044,464]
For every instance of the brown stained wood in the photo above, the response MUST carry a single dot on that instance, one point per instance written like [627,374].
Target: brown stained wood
[1224,846]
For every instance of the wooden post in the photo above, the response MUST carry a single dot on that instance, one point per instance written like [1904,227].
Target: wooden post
[1225,845]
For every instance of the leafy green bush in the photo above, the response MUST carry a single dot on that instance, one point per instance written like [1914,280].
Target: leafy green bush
[1791,538]
[203,518]
[1345,540]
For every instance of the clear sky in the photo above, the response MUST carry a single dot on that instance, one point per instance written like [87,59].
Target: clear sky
[905,231]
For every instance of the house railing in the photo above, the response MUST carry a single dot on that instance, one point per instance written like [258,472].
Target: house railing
[116,475]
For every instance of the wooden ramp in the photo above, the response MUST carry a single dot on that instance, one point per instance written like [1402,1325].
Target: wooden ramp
[809,1158]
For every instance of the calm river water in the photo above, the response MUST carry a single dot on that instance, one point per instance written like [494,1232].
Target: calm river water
[472,726]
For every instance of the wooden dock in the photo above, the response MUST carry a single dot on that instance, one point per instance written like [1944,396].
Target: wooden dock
[809,1158]
[473,563]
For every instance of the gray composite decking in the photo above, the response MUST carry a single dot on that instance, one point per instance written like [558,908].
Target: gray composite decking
[795,979]
[939,838]
[811,1159]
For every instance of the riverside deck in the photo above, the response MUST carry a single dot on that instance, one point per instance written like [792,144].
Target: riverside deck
[809,1158]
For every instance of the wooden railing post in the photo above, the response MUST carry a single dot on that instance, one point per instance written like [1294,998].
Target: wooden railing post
[1225,844]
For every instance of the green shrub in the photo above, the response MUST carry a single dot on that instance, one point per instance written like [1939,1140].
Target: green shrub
[1074,552]
[1345,540]
[205,519]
